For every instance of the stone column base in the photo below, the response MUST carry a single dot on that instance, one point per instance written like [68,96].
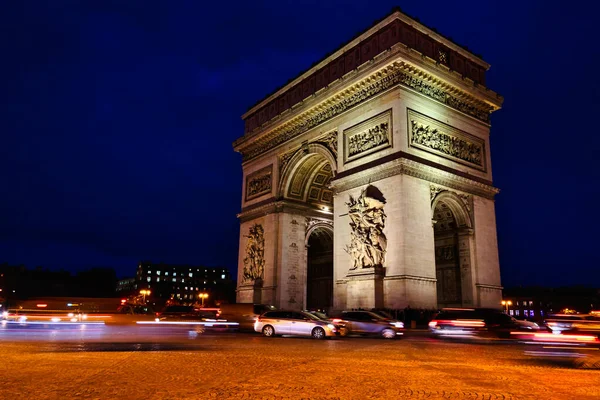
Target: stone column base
[365,288]
[250,293]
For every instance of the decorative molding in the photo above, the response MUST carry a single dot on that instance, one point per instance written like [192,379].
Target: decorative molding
[329,140]
[311,222]
[254,262]
[467,199]
[398,73]
[368,136]
[418,170]
[443,140]
[259,183]
[368,243]
[284,160]
[410,278]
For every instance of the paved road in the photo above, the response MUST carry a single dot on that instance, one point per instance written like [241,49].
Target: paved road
[174,364]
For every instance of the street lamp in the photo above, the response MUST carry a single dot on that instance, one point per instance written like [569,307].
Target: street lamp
[203,296]
[145,292]
[506,304]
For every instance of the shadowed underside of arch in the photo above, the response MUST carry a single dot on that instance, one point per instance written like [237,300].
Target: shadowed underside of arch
[309,181]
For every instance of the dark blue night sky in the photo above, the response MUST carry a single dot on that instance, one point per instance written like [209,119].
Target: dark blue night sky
[117,119]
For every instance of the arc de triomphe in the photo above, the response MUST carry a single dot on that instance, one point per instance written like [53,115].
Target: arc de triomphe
[368,181]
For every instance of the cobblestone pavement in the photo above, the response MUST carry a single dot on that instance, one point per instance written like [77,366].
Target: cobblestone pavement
[252,367]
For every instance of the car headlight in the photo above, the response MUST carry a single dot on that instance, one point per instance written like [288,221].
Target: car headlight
[331,326]
[397,324]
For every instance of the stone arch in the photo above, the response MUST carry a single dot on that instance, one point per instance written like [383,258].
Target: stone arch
[319,267]
[296,161]
[456,206]
[454,247]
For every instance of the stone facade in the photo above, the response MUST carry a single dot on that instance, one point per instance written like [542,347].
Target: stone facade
[400,137]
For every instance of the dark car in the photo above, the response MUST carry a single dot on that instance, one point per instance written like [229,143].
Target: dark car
[473,322]
[369,323]
[245,314]
[186,313]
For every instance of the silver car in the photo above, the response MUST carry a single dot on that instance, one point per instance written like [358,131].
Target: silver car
[295,323]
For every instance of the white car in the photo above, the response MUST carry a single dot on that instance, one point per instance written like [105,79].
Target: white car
[296,323]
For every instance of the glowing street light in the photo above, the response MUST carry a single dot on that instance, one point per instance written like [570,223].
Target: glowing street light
[145,292]
[506,304]
[203,296]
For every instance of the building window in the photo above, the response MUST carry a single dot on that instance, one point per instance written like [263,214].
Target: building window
[530,303]
[148,279]
[157,272]
[510,312]
[174,280]
[166,273]
[531,313]
[157,279]
[183,280]
[191,274]
[517,312]
[205,282]
[174,273]
[223,276]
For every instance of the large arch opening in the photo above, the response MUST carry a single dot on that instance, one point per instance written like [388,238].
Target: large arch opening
[319,273]
[451,222]
[305,183]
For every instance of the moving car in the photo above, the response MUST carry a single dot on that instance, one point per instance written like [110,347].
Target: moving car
[574,323]
[369,323]
[473,322]
[297,323]
[186,313]
[245,314]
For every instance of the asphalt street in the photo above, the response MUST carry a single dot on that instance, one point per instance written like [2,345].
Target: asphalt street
[95,362]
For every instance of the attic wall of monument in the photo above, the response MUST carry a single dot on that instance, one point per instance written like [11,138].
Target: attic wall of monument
[395,32]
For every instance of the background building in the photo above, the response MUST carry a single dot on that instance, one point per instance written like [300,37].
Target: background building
[185,283]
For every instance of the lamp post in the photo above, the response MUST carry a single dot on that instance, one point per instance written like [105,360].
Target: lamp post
[506,304]
[145,292]
[203,296]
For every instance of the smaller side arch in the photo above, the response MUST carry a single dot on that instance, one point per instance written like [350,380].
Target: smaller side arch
[456,205]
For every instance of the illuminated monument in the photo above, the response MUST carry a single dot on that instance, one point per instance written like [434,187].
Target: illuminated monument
[368,180]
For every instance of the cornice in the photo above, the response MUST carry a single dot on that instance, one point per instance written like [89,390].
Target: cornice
[418,170]
[276,206]
[396,15]
[397,73]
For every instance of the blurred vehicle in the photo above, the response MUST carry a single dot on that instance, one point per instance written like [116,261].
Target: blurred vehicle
[43,315]
[474,322]
[583,350]
[131,314]
[527,325]
[297,323]
[369,323]
[339,324]
[186,313]
[574,323]
[245,314]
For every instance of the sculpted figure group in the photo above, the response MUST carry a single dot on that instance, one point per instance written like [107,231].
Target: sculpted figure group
[436,140]
[368,243]
[254,263]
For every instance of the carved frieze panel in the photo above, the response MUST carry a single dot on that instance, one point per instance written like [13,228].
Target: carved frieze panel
[443,140]
[259,183]
[254,262]
[368,137]
[368,243]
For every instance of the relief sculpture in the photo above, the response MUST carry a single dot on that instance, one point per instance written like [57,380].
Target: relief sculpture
[367,137]
[259,183]
[254,262]
[368,243]
[427,136]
